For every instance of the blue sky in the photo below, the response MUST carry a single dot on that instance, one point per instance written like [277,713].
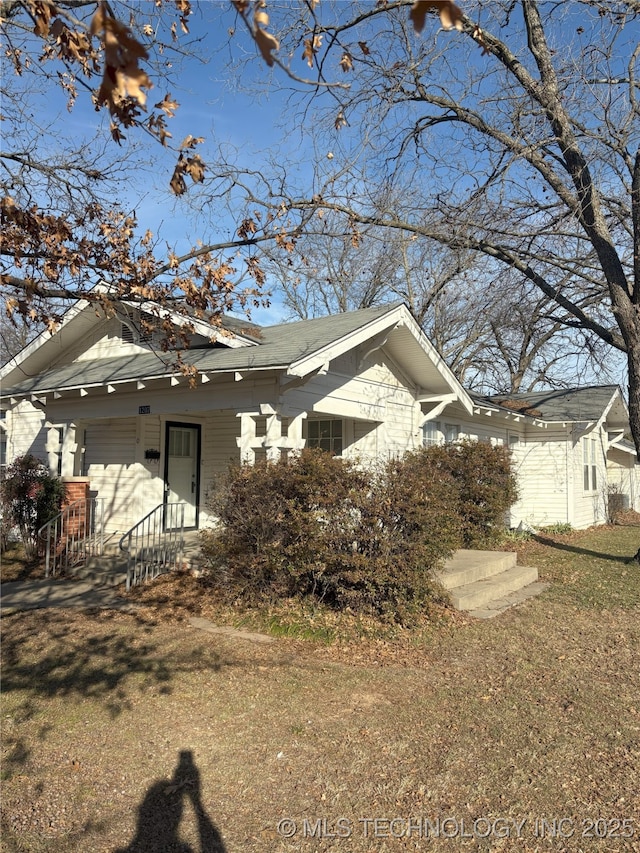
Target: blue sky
[229,102]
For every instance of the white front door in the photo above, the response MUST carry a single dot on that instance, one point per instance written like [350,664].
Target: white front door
[182,472]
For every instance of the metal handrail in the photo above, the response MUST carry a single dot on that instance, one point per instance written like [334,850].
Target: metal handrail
[73,535]
[155,544]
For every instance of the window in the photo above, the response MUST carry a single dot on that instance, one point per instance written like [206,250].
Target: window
[60,431]
[180,442]
[431,433]
[435,432]
[327,435]
[589,467]
[451,432]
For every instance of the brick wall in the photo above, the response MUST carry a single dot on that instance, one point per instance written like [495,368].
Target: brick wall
[77,488]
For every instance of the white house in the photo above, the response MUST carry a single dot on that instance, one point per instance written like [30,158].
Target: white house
[101,404]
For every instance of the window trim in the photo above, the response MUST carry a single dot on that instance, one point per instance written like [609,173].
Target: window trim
[589,464]
[315,441]
[439,432]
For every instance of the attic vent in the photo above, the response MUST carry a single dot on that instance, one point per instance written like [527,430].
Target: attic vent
[130,337]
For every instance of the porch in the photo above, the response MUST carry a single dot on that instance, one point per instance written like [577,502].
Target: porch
[133,464]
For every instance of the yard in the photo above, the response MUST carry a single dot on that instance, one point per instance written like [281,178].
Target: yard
[140,732]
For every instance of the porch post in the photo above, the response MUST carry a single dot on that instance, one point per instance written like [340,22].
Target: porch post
[294,440]
[273,438]
[68,450]
[247,441]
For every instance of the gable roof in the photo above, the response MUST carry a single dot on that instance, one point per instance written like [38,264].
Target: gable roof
[82,316]
[568,405]
[299,348]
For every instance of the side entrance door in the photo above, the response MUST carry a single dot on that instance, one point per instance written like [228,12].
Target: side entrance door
[182,472]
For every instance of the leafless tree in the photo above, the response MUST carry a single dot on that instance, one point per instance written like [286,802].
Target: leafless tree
[65,230]
[515,137]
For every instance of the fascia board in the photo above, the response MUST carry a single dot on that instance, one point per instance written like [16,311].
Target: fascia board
[41,339]
[303,366]
[615,397]
[395,316]
[157,377]
[434,356]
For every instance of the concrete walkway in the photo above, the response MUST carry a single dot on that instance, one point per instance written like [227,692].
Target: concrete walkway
[32,595]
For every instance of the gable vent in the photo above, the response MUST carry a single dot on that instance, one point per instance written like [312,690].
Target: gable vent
[129,336]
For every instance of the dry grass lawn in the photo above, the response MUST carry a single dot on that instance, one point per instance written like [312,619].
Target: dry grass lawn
[141,733]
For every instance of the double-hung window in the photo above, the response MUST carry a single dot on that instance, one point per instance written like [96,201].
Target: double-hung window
[589,466]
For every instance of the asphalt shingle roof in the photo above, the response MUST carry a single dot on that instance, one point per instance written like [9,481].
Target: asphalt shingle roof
[573,404]
[278,347]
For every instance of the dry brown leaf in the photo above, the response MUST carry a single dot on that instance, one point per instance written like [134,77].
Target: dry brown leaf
[308,53]
[340,121]
[364,47]
[168,106]
[346,63]
[191,142]
[177,182]
[450,14]
[97,22]
[311,47]
[131,81]
[267,43]
[41,13]
[195,168]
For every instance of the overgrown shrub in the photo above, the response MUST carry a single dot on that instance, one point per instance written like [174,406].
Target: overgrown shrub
[275,518]
[30,496]
[366,539]
[484,484]
[321,526]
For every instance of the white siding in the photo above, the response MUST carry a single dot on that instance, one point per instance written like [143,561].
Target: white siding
[376,404]
[114,475]
[219,450]
[544,477]
[589,504]
[26,432]
[103,341]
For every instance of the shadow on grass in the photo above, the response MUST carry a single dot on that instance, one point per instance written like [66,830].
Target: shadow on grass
[575,549]
[161,812]
[47,655]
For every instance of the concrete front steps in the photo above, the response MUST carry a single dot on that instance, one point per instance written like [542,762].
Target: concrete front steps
[110,569]
[485,583]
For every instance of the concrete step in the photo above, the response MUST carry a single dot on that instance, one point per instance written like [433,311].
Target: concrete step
[499,605]
[468,566]
[474,595]
[107,570]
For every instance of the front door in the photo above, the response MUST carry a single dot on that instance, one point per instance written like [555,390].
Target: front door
[182,472]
